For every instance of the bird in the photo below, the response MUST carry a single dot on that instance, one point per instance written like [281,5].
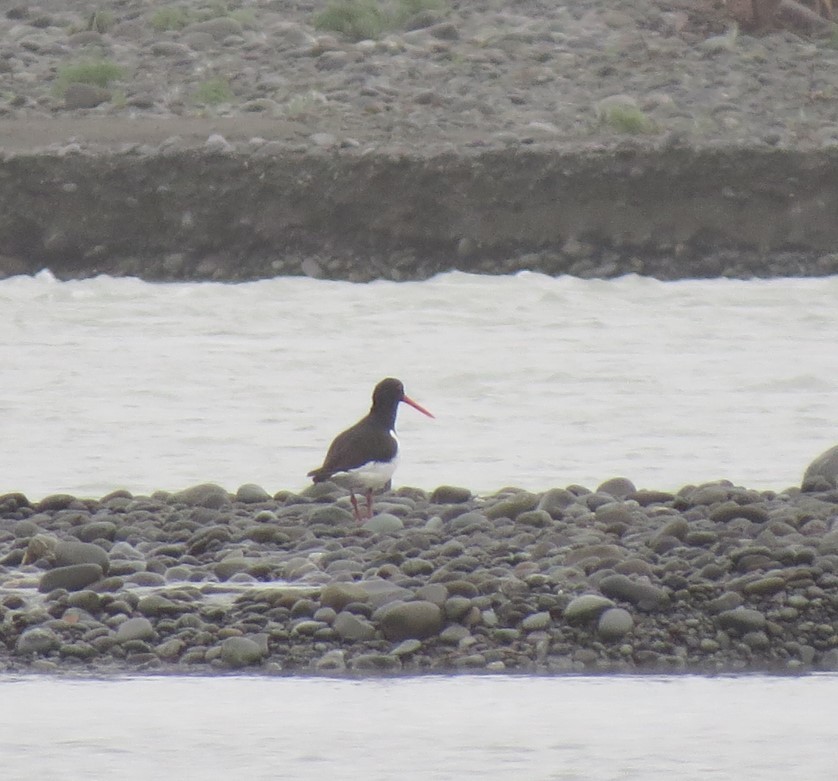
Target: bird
[364,457]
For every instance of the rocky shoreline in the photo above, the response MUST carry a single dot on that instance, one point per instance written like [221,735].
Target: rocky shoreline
[712,579]
[236,141]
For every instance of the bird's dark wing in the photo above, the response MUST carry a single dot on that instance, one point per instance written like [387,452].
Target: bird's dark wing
[344,454]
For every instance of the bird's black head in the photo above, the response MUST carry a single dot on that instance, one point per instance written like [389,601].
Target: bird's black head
[388,393]
[386,397]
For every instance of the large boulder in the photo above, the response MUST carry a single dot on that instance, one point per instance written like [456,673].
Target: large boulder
[822,473]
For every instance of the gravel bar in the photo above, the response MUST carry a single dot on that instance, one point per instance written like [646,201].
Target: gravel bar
[713,578]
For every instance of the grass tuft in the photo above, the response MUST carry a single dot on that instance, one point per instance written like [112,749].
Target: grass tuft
[369,19]
[627,119]
[99,73]
[213,92]
[169,18]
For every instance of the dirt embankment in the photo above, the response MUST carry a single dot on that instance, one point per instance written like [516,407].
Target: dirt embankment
[229,210]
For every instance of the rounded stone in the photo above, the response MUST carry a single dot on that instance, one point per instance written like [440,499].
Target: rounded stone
[433,592]
[207,495]
[331,515]
[37,640]
[383,523]
[104,530]
[512,506]
[742,620]
[450,494]
[417,620]
[643,595]
[456,607]
[68,552]
[618,487]
[334,660]
[250,493]
[138,628]
[72,578]
[338,595]
[157,605]
[241,652]
[823,471]
[615,623]
[536,622]
[55,502]
[539,519]
[351,627]
[770,584]
[39,546]
[555,501]
[586,607]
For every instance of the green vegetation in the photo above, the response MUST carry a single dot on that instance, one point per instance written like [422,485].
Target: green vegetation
[407,8]
[302,104]
[100,21]
[99,73]
[169,18]
[361,19]
[173,17]
[627,119]
[213,92]
[356,19]
[245,17]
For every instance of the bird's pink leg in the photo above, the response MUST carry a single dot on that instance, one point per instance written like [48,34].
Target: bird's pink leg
[355,507]
[369,503]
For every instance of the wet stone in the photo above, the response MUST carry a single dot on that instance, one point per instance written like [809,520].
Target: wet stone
[37,640]
[449,494]
[615,623]
[536,622]
[350,627]
[383,523]
[417,620]
[339,595]
[376,663]
[237,652]
[104,530]
[68,552]
[643,595]
[72,578]
[204,495]
[555,501]
[586,607]
[742,620]
[512,506]
[250,493]
[138,628]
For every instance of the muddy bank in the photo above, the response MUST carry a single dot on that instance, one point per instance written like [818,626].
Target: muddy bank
[232,208]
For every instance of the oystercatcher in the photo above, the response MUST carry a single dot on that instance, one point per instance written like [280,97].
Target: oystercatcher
[364,457]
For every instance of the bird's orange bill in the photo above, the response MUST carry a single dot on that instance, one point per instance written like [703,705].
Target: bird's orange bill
[408,400]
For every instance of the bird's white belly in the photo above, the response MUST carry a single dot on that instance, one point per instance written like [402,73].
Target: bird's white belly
[372,475]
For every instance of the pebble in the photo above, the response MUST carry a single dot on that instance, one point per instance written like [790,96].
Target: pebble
[586,607]
[615,623]
[69,552]
[72,577]
[239,652]
[417,620]
[139,628]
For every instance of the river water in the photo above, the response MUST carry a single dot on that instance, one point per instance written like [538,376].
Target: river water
[563,729]
[535,382]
